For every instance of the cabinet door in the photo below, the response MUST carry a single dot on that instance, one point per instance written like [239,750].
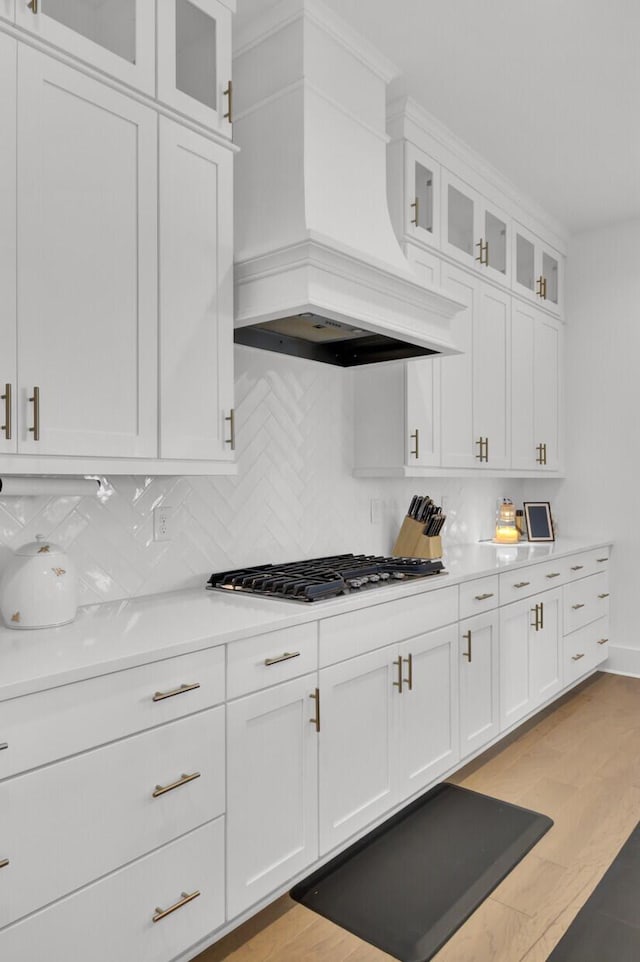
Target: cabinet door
[495,227]
[423,412]
[491,374]
[525,262]
[545,653]
[194,60]
[461,222]
[8,381]
[427,729]
[87,256]
[196,295]
[422,196]
[115,36]
[357,751]
[551,268]
[456,372]
[478,658]
[535,372]
[516,699]
[272,792]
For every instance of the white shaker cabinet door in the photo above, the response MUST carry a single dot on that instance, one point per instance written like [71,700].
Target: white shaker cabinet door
[272,790]
[87,266]
[8,430]
[535,392]
[114,36]
[458,445]
[491,374]
[479,681]
[196,295]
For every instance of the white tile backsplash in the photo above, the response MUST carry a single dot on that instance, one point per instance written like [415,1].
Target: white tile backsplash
[294,495]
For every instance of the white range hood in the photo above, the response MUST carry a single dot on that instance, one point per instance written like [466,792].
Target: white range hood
[318,269]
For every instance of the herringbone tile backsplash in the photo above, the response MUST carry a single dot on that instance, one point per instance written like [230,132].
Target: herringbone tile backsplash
[294,495]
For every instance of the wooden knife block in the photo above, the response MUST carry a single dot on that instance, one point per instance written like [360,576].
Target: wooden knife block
[412,543]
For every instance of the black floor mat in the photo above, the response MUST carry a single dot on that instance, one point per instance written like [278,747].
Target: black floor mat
[408,885]
[607,927]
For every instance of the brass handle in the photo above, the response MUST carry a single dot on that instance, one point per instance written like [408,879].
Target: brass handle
[4,862]
[544,288]
[183,780]
[577,657]
[536,624]
[602,641]
[483,443]
[467,653]
[231,440]
[409,678]
[542,454]
[33,6]
[186,898]
[229,93]
[600,560]
[6,397]
[3,746]
[416,437]
[35,430]
[284,657]
[161,695]
[553,574]
[316,716]
[415,205]
[575,607]
[605,594]
[398,684]
[486,253]
[541,615]
[540,286]
[487,594]
[483,256]
[577,567]
[522,584]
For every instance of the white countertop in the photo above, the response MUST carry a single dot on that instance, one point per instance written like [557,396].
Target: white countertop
[117,635]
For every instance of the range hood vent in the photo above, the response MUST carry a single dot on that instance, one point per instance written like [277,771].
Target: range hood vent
[319,272]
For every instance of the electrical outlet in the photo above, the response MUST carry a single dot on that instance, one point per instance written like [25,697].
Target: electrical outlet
[162,518]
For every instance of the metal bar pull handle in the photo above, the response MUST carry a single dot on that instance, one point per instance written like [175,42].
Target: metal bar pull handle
[602,641]
[577,567]
[35,400]
[415,452]
[600,560]
[541,615]
[186,897]
[285,656]
[229,93]
[316,718]
[483,597]
[536,624]
[6,397]
[605,594]
[522,584]
[183,780]
[416,208]
[540,284]
[576,607]
[398,684]
[553,574]
[3,745]
[33,6]
[182,690]
[467,653]
[409,678]
[4,862]
[231,440]
[577,657]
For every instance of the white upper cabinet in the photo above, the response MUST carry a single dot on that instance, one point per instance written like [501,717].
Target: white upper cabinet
[114,36]
[196,309]
[538,270]
[8,373]
[194,60]
[422,201]
[536,359]
[475,232]
[87,281]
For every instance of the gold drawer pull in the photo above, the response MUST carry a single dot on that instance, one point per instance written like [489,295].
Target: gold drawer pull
[285,656]
[577,567]
[229,93]
[415,452]
[6,397]
[186,898]
[316,717]
[35,400]
[522,584]
[183,780]
[600,560]
[577,657]
[161,695]
[3,746]
[33,6]
[605,594]
[487,594]
[398,684]
[553,574]
[467,638]
[4,862]
[602,641]
[409,678]
[231,440]
[575,607]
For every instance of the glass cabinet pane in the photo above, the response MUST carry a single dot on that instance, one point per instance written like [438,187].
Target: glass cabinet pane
[460,220]
[550,274]
[109,23]
[424,198]
[495,232]
[196,53]
[525,262]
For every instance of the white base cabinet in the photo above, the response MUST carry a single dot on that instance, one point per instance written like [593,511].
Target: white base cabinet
[8,61]
[272,779]
[479,667]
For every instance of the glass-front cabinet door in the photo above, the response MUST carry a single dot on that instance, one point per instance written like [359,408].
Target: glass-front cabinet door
[115,36]
[194,60]
[537,272]
[422,209]
[473,231]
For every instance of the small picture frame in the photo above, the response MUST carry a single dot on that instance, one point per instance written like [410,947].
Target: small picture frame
[539,524]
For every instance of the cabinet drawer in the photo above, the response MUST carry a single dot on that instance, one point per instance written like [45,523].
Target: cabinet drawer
[522,582]
[64,825]
[265,660]
[113,918]
[357,632]
[479,595]
[588,563]
[585,600]
[52,724]
[584,649]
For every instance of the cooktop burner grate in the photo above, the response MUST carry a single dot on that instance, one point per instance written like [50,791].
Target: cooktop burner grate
[320,578]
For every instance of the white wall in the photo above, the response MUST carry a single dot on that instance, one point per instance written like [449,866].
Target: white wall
[600,493]
[294,496]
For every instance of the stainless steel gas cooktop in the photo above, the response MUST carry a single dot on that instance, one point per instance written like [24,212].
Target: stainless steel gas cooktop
[320,578]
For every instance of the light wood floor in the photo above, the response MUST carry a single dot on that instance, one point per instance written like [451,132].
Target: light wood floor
[580,764]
